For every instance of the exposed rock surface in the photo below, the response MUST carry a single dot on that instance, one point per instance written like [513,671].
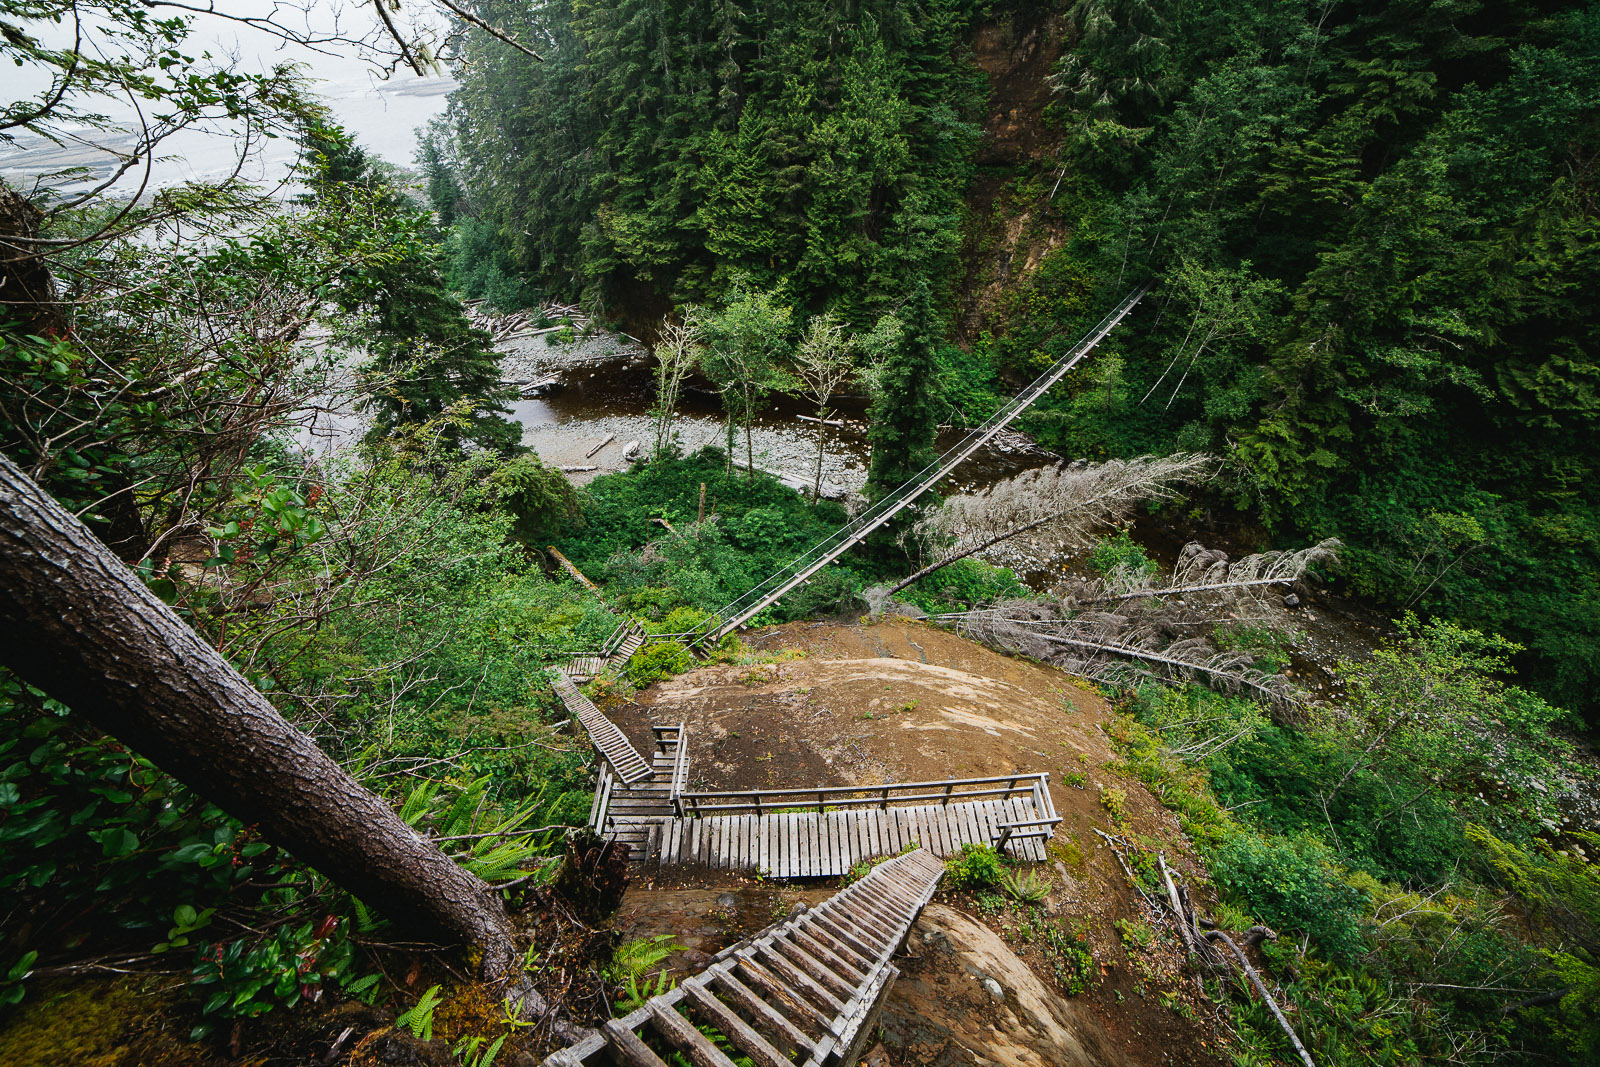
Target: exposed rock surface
[965,998]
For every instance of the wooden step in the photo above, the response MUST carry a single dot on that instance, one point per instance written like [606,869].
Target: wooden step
[784,992]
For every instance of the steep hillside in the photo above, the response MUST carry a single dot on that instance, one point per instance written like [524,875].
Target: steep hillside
[903,701]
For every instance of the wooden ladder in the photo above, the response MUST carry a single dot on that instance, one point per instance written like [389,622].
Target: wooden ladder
[612,744]
[806,990]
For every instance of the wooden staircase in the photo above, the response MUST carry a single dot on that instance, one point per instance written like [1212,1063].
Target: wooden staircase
[807,990]
[632,813]
[624,641]
[612,744]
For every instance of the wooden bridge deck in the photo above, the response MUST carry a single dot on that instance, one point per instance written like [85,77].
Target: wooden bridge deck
[612,744]
[825,839]
[809,987]
[807,844]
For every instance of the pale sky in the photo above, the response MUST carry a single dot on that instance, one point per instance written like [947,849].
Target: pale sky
[383,114]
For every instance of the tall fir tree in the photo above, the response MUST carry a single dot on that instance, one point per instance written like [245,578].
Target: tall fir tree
[427,361]
[904,418]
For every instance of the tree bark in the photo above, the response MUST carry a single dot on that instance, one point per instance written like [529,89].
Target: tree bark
[78,624]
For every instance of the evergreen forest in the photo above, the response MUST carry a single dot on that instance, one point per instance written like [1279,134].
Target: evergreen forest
[292,589]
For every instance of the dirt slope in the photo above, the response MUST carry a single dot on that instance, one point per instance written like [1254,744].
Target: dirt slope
[901,701]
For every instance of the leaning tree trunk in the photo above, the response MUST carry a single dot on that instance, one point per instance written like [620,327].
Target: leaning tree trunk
[78,624]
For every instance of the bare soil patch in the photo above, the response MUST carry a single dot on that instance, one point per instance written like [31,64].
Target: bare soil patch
[902,701]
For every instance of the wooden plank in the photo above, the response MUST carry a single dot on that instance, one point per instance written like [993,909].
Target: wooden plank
[774,990]
[691,1042]
[974,828]
[808,843]
[866,950]
[814,967]
[738,1031]
[769,1020]
[850,960]
[747,853]
[797,979]
[763,854]
[627,1047]
[842,963]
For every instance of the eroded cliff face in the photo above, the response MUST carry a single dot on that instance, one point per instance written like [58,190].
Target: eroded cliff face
[1009,229]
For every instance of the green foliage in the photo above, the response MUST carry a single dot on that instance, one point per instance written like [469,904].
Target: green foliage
[657,661]
[1269,646]
[963,585]
[1027,887]
[248,977]
[1197,723]
[1067,954]
[638,957]
[742,345]
[1120,552]
[1115,802]
[419,1017]
[427,362]
[813,148]
[540,499]
[1285,882]
[904,420]
[754,525]
[974,866]
[1562,891]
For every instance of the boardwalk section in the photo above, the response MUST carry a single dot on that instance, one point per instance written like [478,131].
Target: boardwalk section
[624,641]
[612,744]
[823,832]
[807,990]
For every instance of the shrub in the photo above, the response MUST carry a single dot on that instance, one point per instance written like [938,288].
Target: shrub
[1287,884]
[540,499]
[973,867]
[658,661]
[1121,552]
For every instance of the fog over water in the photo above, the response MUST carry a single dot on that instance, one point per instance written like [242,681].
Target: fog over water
[383,114]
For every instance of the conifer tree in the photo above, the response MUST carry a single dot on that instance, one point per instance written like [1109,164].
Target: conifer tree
[427,360]
[903,421]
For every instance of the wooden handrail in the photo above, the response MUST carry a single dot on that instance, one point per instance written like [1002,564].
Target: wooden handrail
[908,794]
[1013,779]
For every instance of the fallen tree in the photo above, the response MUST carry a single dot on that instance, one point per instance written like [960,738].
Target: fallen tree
[78,624]
[1050,508]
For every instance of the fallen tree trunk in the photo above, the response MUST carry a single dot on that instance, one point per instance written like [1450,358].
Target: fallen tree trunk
[78,624]
[1261,987]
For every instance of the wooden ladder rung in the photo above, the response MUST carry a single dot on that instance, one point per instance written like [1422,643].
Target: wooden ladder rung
[627,1047]
[739,1032]
[676,1029]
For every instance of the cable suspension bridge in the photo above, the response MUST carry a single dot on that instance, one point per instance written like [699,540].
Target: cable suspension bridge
[734,615]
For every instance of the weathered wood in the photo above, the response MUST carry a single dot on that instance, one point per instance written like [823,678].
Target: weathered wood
[739,1032]
[608,439]
[795,978]
[777,991]
[691,1042]
[771,1021]
[627,1047]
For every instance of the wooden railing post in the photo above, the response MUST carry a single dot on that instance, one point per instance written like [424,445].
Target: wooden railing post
[948,786]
